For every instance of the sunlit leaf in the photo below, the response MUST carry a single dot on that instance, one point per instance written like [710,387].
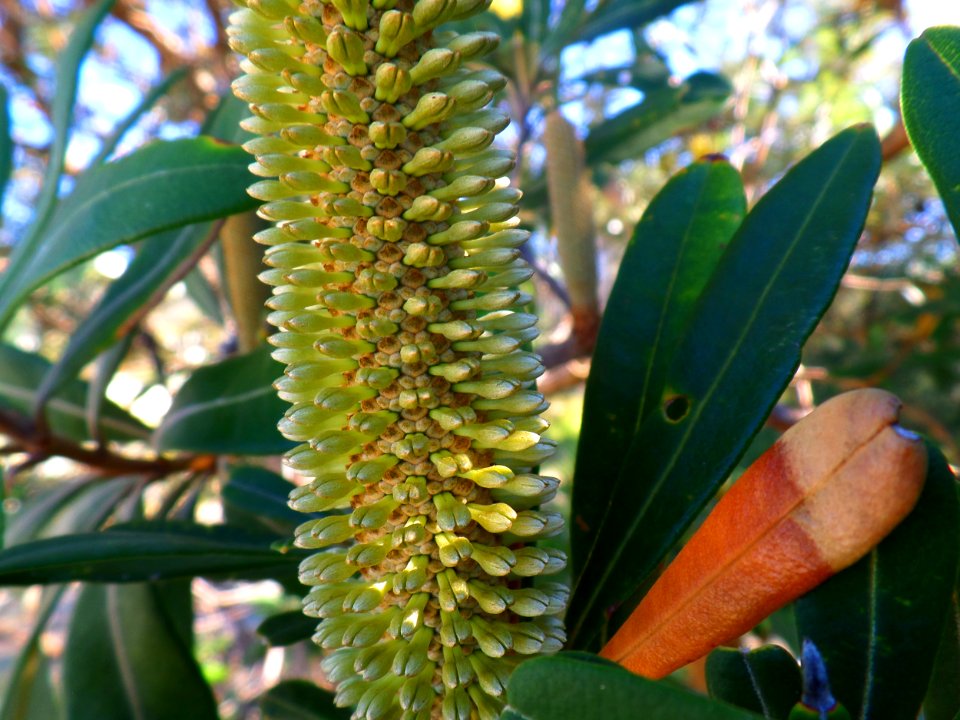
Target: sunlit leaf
[150,190]
[931,110]
[661,115]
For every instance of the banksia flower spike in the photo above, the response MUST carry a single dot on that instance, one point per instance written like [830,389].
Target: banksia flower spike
[395,268]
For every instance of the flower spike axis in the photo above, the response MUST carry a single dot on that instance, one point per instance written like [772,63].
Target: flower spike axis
[395,265]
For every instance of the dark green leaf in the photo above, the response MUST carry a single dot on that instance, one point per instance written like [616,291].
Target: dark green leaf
[931,110]
[145,105]
[943,694]
[35,511]
[156,262]
[22,373]
[669,259]
[878,623]
[104,371]
[262,494]
[660,116]
[223,123]
[230,407]
[740,350]
[287,628]
[203,295]
[145,551]
[766,680]
[124,660]
[613,16]
[576,686]
[300,700]
[88,509]
[150,190]
[67,79]
[6,142]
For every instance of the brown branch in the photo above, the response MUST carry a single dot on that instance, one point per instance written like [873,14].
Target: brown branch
[41,446]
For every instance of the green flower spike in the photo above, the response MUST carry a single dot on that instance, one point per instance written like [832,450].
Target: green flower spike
[395,268]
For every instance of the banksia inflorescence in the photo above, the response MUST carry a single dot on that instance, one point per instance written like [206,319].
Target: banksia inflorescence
[395,264]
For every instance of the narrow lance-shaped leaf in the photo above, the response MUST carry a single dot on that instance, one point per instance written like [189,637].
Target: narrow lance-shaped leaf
[143,107]
[740,350]
[158,259]
[64,99]
[150,190]
[253,494]
[287,628]
[669,259]
[228,407]
[816,502]
[943,693]
[661,115]
[145,551]
[930,98]
[25,688]
[766,680]
[574,686]
[6,141]
[22,373]
[878,624]
[119,637]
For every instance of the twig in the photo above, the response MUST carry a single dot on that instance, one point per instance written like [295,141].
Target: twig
[25,434]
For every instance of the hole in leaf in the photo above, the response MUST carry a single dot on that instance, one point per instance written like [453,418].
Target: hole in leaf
[676,408]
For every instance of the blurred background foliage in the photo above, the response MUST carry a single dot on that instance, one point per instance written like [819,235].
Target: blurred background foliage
[615,96]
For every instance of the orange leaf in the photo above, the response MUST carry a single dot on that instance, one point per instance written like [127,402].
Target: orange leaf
[816,502]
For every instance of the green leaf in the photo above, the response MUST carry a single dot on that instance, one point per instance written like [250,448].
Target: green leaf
[146,551]
[124,660]
[661,115]
[262,495]
[64,99]
[6,142]
[287,628]
[104,370]
[88,509]
[766,681]
[737,355]
[613,16]
[143,107]
[203,295]
[224,122]
[150,190]
[943,693]
[227,408]
[574,686]
[300,700]
[28,695]
[37,509]
[673,251]
[155,265]
[878,623]
[22,373]
[930,101]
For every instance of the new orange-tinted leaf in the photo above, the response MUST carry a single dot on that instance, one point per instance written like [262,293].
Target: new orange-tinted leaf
[826,492]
